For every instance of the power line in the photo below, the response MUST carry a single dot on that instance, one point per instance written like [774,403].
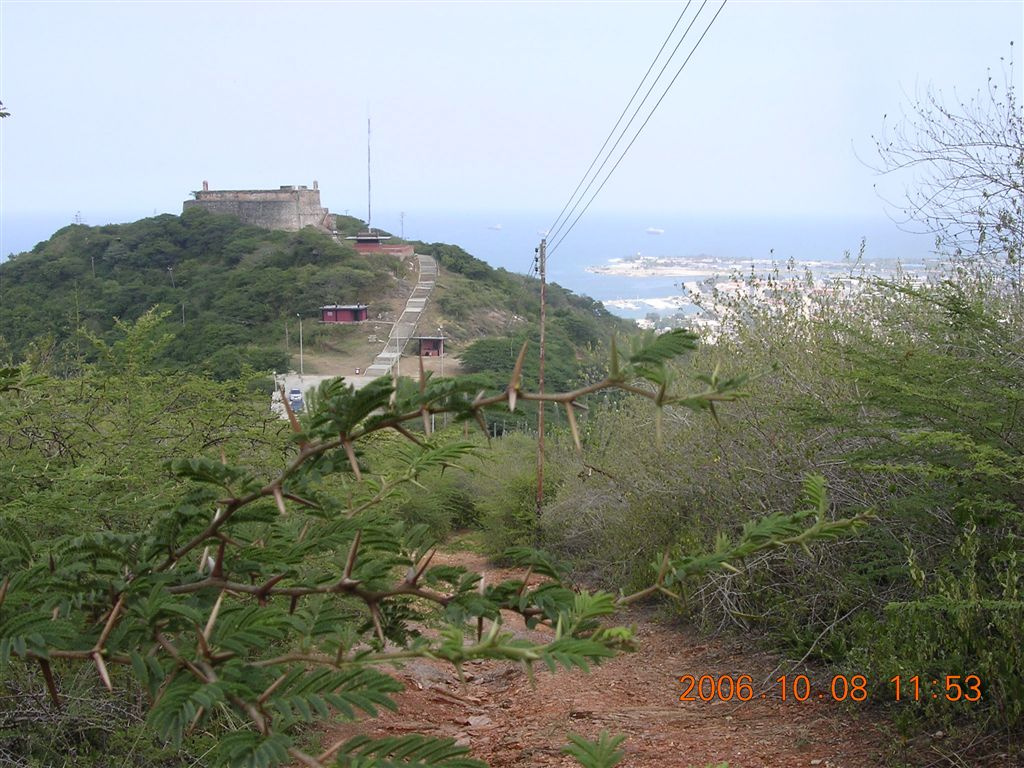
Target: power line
[559,222]
[632,118]
[552,229]
[642,126]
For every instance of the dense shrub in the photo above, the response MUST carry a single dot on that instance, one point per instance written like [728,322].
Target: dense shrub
[249,601]
[908,398]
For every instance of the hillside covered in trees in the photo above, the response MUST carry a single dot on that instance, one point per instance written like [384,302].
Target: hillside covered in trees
[228,290]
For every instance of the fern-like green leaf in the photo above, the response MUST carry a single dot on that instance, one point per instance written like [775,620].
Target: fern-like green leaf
[340,407]
[574,653]
[245,749]
[233,479]
[179,704]
[413,751]
[602,753]
[15,545]
[305,692]
[659,349]
[32,631]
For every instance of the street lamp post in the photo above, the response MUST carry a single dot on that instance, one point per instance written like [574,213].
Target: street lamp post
[301,369]
[440,332]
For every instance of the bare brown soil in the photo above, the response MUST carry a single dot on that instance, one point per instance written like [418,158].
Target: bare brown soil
[508,721]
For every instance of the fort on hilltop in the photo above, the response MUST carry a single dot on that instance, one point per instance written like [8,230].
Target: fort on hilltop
[289,208]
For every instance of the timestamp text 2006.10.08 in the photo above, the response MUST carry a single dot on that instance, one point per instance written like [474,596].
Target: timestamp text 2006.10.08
[841,688]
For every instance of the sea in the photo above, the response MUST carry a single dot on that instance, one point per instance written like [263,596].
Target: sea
[606,256]
[611,258]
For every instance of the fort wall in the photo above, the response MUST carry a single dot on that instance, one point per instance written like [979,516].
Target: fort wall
[289,208]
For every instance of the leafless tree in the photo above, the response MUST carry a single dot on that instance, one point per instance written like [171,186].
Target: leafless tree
[967,165]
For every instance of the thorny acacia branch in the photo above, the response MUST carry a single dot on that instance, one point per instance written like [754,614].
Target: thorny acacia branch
[156,601]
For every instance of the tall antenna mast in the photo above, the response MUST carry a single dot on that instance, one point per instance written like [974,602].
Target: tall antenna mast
[369,204]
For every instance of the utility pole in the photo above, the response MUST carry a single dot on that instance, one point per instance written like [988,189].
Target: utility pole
[369,205]
[440,332]
[542,259]
[301,369]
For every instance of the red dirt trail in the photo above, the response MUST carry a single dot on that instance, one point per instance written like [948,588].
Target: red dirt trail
[509,722]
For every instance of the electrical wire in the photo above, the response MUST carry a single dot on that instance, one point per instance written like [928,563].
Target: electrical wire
[556,226]
[642,126]
[558,220]
[632,117]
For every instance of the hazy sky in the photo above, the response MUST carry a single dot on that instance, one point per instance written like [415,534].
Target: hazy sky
[120,109]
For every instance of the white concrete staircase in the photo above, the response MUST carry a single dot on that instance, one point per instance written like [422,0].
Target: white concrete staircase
[407,323]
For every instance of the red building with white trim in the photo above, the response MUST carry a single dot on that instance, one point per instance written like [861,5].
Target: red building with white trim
[343,313]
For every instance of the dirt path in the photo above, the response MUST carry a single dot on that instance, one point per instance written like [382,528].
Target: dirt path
[507,721]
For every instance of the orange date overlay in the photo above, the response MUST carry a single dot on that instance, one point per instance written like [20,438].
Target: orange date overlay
[841,688]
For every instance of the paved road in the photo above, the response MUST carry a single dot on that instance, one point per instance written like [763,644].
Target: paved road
[304,384]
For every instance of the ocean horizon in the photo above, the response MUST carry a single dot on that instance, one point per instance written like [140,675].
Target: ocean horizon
[723,244]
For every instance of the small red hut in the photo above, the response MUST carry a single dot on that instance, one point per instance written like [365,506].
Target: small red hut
[431,346]
[343,313]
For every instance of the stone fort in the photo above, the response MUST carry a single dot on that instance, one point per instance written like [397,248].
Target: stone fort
[289,208]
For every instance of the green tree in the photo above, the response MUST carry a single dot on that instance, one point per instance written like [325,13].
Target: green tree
[263,599]
[88,451]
